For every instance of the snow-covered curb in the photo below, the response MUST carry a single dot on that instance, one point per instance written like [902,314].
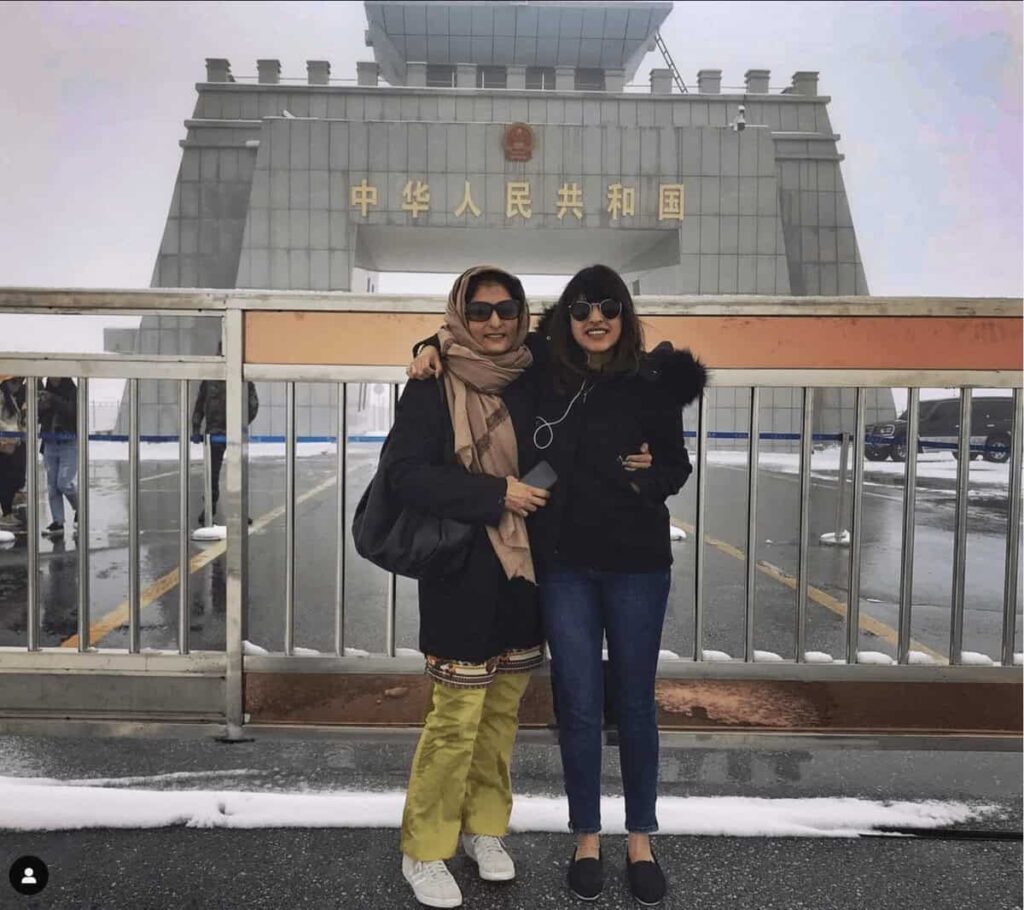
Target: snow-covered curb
[43,805]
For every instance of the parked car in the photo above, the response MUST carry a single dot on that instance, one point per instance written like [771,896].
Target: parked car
[939,430]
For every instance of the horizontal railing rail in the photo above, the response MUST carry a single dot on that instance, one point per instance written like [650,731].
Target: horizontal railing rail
[236,367]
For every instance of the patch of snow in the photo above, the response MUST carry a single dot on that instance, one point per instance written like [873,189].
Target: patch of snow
[33,805]
[663,654]
[715,655]
[767,655]
[818,657]
[249,648]
[919,657]
[874,657]
[874,600]
[974,659]
[1018,659]
[675,533]
[214,532]
[356,652]
[7,537]
[407,652]
[931,465]
[829,539]
[305,652]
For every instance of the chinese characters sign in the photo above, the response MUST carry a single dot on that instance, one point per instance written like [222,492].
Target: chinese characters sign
[621,201]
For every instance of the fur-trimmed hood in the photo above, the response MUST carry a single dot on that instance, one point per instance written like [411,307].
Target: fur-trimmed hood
[681,374]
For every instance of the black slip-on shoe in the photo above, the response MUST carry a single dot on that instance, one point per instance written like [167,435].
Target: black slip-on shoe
[586,877]
[646,881]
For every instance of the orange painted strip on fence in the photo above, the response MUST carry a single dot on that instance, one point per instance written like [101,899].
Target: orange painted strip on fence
[725,342]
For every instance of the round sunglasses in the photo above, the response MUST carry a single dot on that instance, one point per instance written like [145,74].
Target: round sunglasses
[581,309]
[480,310]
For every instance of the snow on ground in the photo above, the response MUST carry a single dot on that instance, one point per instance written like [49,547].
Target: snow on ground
[930,466]
[33,804]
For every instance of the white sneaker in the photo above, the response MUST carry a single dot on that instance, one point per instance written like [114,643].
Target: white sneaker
[432,883]
[493,863]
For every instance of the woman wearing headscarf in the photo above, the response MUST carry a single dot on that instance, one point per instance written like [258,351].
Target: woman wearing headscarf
[480,628]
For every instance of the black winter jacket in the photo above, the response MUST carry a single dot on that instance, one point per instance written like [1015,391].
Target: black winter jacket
[478,613]
[601,516]
[211,406]
[58,408]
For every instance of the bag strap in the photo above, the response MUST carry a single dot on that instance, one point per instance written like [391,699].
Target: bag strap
[449,437]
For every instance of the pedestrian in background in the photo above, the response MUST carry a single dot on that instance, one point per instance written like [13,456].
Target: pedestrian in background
[211,409]
[58,426]
[12,449]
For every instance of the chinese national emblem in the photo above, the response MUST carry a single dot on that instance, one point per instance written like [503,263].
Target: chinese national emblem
[518,142]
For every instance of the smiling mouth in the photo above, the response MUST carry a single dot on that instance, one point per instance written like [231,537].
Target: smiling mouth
[597,333]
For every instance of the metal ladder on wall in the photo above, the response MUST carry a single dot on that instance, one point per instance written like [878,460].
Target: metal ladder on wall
[660,42]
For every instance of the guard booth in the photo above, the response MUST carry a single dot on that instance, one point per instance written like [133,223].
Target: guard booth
[852,345]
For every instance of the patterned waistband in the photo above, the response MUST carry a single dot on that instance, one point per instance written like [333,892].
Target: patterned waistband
[467,675]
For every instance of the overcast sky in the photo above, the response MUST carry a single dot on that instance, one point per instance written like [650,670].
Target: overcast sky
[926,96]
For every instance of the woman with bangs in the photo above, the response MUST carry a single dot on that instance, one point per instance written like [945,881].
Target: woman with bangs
[609,422]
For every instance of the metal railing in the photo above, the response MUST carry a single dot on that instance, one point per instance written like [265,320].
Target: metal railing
[232,368]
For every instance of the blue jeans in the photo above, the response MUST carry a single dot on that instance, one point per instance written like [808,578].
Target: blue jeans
[61,458]
[580,607]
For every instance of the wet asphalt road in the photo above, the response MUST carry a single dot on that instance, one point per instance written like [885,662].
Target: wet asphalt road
[775,611]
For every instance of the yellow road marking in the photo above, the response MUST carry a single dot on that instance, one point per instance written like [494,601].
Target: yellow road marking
[822,598]
[119,616]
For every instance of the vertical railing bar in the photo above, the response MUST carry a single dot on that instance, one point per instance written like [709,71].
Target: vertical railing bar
[844,460]
[963,477]
[806,439]
[83,514]
[1013,517]
[235,491]
[856,524]
[289,539]
[390,616]
[32,489]
[134,607]
[907,542]
[184,573]
[208,508]
[339,577]
[750,561]
[699,527]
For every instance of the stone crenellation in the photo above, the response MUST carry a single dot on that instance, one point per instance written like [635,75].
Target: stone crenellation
[419,74]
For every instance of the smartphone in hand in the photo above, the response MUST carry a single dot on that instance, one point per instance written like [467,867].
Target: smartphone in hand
[541,475]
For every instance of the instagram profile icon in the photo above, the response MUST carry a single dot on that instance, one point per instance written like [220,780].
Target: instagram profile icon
[29,875]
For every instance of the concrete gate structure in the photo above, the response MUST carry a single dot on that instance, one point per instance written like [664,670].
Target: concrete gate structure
[505,133]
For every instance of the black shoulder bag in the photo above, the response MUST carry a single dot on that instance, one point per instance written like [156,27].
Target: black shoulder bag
[406,541]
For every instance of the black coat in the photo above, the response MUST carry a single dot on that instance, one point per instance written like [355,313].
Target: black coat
[601,516]
[478,613]
[212,406]
[58,408]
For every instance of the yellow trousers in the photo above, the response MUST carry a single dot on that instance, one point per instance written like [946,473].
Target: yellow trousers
[460,780]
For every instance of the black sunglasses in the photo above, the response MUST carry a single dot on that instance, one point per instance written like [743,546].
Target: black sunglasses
[610,309]
[480,311]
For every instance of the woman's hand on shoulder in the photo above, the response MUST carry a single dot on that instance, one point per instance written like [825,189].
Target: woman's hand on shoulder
[522,499]
[426,365]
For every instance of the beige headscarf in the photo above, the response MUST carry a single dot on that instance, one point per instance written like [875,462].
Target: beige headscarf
[485,440]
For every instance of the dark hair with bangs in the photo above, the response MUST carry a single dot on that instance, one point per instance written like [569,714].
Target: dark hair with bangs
[594,283]
[509,282]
